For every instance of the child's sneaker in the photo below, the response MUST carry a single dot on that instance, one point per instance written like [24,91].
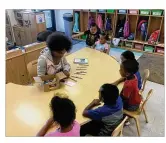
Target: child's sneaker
[127,123]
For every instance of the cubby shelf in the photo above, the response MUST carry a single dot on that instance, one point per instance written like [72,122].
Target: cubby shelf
[154,23]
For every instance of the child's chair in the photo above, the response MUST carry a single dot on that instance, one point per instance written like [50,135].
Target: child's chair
[137,113]
[144,80]
[119,129]
[32,69]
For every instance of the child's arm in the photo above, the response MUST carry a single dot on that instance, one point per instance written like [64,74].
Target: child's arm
[94,103]
[122,79]
[66,67]
[77,35]
[45,128]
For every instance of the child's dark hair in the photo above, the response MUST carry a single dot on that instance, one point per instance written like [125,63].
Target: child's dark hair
[130,66]
[64,111]
[128,55]
[42,36]
[104,35]
[58,42]
[93,25]
[109,93]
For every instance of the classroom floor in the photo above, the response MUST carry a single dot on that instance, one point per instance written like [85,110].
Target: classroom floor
[155,106]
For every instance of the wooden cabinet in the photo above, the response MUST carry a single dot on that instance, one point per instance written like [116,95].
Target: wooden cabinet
[29,25]
[9,33]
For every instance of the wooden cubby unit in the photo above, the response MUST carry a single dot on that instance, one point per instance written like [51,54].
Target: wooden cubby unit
[153,23]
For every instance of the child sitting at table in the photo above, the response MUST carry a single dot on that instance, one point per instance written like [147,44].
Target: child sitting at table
[92,35]
[128,55]
[130,92]
[101,44]
[107,117]
[64,114]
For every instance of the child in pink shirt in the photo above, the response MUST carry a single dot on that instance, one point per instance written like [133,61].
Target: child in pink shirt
[101,44]
[64,113]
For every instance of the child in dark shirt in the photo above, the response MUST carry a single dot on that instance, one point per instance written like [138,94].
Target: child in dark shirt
[92,35]
[107,117]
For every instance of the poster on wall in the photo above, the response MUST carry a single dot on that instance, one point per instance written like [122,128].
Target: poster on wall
[40,18]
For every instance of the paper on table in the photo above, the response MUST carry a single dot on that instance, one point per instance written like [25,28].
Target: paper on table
[69,83]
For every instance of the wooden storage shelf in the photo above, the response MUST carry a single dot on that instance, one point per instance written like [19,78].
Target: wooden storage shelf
[153,23]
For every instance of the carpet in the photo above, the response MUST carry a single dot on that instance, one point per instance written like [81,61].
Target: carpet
[155,64]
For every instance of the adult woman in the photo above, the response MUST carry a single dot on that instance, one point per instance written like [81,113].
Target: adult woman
[52,60]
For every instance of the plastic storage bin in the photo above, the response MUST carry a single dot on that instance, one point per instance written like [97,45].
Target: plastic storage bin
[138,46]
[160,50]
[110,11]
[157,12]
[144,12]
[68,24]
[122,11]
[133,11]
[149,49]
[93,10]
[128,44]
[102,10]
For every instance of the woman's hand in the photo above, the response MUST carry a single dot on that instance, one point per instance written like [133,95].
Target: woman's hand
[66,73]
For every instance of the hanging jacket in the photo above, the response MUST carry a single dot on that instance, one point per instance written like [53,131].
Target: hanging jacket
[100,21]
[126,29]
[76,24]
[108,24]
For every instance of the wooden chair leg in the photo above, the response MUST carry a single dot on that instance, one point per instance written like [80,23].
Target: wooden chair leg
[146,117]
[137,125]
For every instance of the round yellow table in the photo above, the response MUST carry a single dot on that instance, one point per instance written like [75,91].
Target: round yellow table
[27,108]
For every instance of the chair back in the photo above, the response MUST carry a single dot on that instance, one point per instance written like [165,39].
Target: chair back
[145,77]
[32,69]
[146,99]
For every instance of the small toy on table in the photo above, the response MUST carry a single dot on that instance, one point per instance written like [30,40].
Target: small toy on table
[50,82]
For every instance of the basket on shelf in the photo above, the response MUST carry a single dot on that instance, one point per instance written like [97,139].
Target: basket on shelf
[102,10]
[149,49]
[133,11]
[138,46]
[110,11]
[128,44]
[157,12]
[122,11]
[160,50]
[93,10]
[144,12]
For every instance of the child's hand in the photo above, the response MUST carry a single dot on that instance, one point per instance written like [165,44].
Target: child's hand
[96,102]
[50,121]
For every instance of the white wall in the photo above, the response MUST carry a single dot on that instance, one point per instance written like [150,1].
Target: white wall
[59,19]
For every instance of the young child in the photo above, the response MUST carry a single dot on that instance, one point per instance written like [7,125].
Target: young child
[64,113]
[128,55]
[130,92]
[101,44]
[92,34]
[107,117]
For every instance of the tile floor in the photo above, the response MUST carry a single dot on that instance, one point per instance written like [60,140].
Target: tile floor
[155,107]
